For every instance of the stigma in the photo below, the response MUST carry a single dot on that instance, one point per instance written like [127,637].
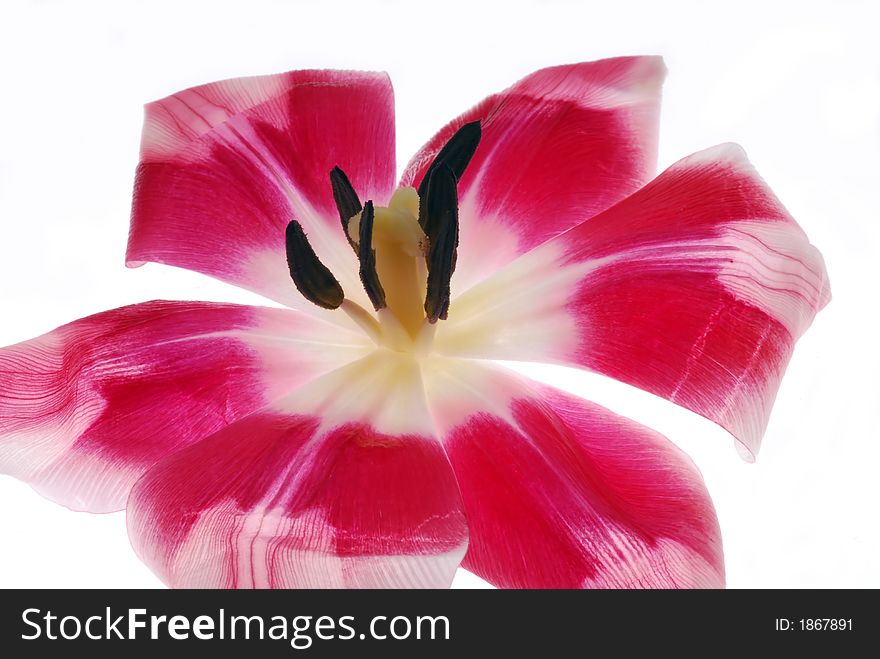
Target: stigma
[406,250]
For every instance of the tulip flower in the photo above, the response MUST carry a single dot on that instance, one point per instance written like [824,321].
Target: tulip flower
[363,435]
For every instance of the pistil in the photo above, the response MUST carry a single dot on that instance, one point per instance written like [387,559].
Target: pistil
[399,243]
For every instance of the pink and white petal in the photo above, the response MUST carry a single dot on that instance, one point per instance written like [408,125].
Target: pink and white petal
[695,288]
[342,484]
[562,493]
[88,407]
[224,168]
[559,146]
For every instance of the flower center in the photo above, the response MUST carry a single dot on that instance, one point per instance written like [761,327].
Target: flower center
[406,251]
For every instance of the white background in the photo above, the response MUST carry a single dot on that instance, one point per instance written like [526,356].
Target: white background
[797,84]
